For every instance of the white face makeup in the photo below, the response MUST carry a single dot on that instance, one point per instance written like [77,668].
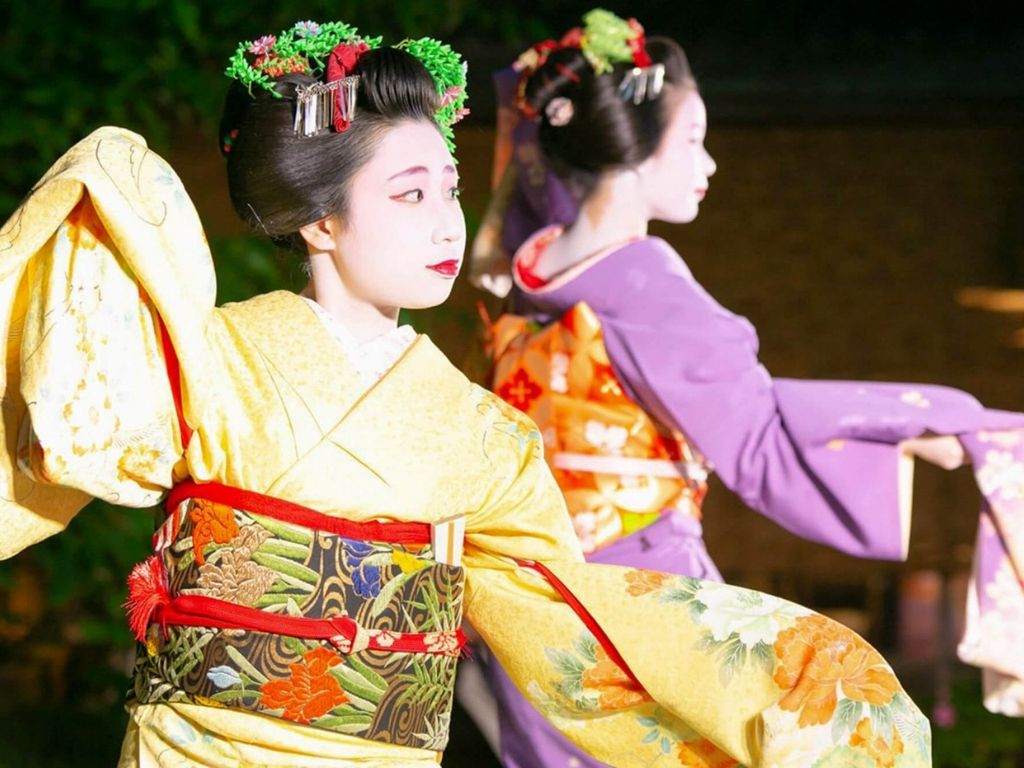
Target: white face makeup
[675,178]
[402,240]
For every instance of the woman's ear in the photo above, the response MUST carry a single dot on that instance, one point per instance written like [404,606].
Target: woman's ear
[319,235]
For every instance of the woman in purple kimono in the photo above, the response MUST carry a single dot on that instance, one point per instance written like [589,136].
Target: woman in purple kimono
[641,383]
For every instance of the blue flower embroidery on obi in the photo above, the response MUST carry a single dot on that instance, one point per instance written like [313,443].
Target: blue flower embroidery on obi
[365,577]
[366,580]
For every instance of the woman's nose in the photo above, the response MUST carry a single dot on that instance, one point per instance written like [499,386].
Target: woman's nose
[451,224]
[710,166]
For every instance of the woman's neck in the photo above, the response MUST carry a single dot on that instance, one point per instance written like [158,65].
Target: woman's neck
[364,321]
[614,213]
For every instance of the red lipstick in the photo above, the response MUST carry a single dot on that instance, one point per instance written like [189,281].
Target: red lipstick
[449,268]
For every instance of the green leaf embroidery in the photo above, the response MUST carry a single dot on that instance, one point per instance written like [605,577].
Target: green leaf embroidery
[586,646]
[284,530]
[285,549]
[283,565]
[910,723]
[368,674]
[244,664]
[845,719]
[388,591]
[734,658]
[355,683]
[881,721]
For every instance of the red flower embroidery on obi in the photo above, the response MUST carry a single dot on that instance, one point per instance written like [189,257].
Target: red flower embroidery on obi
[520,390]
[618,690]
[817,656]
[310,691]
[211,522]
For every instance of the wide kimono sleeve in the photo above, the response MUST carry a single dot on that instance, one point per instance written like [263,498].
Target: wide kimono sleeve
[797,451]
[825,459]
[636,665]
[103,269]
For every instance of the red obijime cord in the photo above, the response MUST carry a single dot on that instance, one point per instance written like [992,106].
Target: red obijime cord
[585,616]
[174,378]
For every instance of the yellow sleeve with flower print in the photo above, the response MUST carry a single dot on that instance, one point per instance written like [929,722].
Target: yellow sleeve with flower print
[724,676]
[88,409]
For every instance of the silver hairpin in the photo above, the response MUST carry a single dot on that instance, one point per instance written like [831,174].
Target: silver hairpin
[314,104]
[642,84]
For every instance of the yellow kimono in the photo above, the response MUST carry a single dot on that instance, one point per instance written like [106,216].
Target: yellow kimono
[107,247]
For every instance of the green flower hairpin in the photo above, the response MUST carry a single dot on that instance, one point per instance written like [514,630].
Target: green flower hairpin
[330,51]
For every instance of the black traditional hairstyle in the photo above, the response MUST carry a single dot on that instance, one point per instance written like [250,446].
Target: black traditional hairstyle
[606,131]
[280,182]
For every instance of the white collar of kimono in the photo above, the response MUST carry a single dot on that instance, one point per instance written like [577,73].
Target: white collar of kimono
[373,358]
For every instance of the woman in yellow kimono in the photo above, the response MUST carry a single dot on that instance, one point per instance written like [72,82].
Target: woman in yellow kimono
[338,496]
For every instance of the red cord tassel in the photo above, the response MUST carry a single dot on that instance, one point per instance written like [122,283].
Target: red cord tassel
[147,589]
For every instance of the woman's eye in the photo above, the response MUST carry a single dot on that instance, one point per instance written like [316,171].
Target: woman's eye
[412,196]
[455,193]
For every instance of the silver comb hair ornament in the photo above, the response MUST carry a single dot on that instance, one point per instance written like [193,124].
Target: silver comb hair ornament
[314,104]
[642,84]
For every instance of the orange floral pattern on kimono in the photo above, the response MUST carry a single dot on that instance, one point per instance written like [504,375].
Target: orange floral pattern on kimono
[560,375]
[701,753]
[815,657]
[212,523]
[310,691]
[883,752]
[617,690]
[642,581]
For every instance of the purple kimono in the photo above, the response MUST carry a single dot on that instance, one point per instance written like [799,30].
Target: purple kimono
[821,458]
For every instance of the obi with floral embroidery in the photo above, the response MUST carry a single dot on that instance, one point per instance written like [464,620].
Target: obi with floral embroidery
[618,469]
[257,604]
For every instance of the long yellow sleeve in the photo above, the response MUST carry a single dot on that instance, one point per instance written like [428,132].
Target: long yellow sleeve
[718,670]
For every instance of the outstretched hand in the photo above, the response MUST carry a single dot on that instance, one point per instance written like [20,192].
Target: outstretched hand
[944,451]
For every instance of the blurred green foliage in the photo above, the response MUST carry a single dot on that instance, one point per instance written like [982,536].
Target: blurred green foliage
[978,738]
[155,65]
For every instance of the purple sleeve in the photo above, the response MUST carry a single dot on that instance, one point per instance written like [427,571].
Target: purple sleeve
[818,457]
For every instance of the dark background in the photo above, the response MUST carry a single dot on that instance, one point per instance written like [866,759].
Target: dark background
[871,166]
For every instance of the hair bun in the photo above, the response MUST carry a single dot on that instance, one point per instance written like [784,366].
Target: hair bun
[560,76]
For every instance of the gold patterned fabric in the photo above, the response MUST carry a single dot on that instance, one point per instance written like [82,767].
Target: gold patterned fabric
[618,469]
[365,682]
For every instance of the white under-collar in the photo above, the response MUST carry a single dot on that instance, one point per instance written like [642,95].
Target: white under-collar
[373,358]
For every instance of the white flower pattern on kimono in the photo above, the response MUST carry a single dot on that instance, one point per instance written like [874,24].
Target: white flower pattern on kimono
[559,372]
[752,616]
[1001,476]
[442,642]
[1007,591]
[91,416]
[1003,438]
[585,525]
[607,437]
[915,398]
[793,746]
[385,638]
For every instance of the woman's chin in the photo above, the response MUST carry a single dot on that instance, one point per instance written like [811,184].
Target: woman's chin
[431,298]
[680,216]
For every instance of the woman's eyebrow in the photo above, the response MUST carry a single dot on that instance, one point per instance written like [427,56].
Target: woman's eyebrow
[419,169]
[410,172]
